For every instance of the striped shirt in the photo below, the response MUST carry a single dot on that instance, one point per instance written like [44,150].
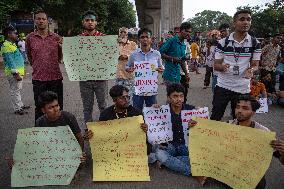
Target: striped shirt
[236,54]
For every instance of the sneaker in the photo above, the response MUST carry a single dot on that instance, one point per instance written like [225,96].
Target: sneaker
[20,112]
[24,107]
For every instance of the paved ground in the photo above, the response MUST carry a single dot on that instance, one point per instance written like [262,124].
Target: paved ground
[160,179]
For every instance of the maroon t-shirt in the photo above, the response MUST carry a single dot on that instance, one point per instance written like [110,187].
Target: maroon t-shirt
[45,54]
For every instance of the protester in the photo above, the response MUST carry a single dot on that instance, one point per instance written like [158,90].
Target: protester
[173,54]
[236,57]
[126,47]
[44,53]
[14,69]
[281,91]
[269,56]
[194,48]
[257,88]
[119,110]
[209,58]
[174,154]
[224,30]
[54,117]
[245,110]
[91,87]
[145,53]
[270,89]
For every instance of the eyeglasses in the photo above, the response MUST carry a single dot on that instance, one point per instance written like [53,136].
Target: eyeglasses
[126,97]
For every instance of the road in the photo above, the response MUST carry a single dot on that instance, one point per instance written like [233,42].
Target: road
[160,178]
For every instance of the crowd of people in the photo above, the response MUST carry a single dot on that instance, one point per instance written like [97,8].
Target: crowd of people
[242,71]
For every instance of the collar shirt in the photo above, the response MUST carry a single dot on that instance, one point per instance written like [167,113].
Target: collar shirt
[45,55]
[138,55]
[174,48]
[236,54]
[270,54]
[97,33]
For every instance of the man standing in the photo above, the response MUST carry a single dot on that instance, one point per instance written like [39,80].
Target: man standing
[236,57]
[22,46]
[209,60]
[14,69]
[174,54]
[194,48]
[44,53]
[270,55]
[145,53]
[91,87]
[126,47]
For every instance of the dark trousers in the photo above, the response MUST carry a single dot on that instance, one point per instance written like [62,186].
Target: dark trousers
[208,74]
[42,86]
[221,99]
[185,85]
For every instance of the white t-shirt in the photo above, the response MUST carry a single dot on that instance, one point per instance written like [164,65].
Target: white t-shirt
[22,45]
[228,80]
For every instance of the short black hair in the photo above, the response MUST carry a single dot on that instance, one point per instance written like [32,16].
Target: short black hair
[244,11]
[277,34]
[185,25]
[89,12]
[224,26]
[117,90]
[144,30]
[8,30]
[41,11]
[253,102]
[46,97]
[175,87]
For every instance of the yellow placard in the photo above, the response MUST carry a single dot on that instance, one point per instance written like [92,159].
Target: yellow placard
[119,150]
[236,155]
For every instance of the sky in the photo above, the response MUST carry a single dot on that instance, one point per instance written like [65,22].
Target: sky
[227,6]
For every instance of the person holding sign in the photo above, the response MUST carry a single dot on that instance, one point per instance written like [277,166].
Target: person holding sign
[245,110]
[236,57]
[174,154]
[88,88]
[120,109]
[146,62]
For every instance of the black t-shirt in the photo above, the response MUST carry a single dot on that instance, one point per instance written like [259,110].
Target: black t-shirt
[66,118]
[281,83]
[110,114]
[178,135]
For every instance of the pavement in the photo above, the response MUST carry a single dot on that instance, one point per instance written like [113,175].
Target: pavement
[160,178]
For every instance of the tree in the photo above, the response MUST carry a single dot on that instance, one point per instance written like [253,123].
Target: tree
[111,14]
[208,20]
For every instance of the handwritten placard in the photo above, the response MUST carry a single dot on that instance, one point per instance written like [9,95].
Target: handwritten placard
[263,106]
[146,78]
[119,150]
[90,57]
[187,115]
[45,156]
[159,124]
[236,155]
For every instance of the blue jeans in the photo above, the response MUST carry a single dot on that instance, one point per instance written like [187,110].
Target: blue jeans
[174,157]
[214,82]
[138,101]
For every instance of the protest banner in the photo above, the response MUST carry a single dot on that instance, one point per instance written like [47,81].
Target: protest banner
[119,150]
[159,124]
[236,155]
[146,78]
[90,57]
[263,106]
[45,156]
[187,115]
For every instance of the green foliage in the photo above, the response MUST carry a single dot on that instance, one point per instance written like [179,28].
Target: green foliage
[112,14]
[208,20]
